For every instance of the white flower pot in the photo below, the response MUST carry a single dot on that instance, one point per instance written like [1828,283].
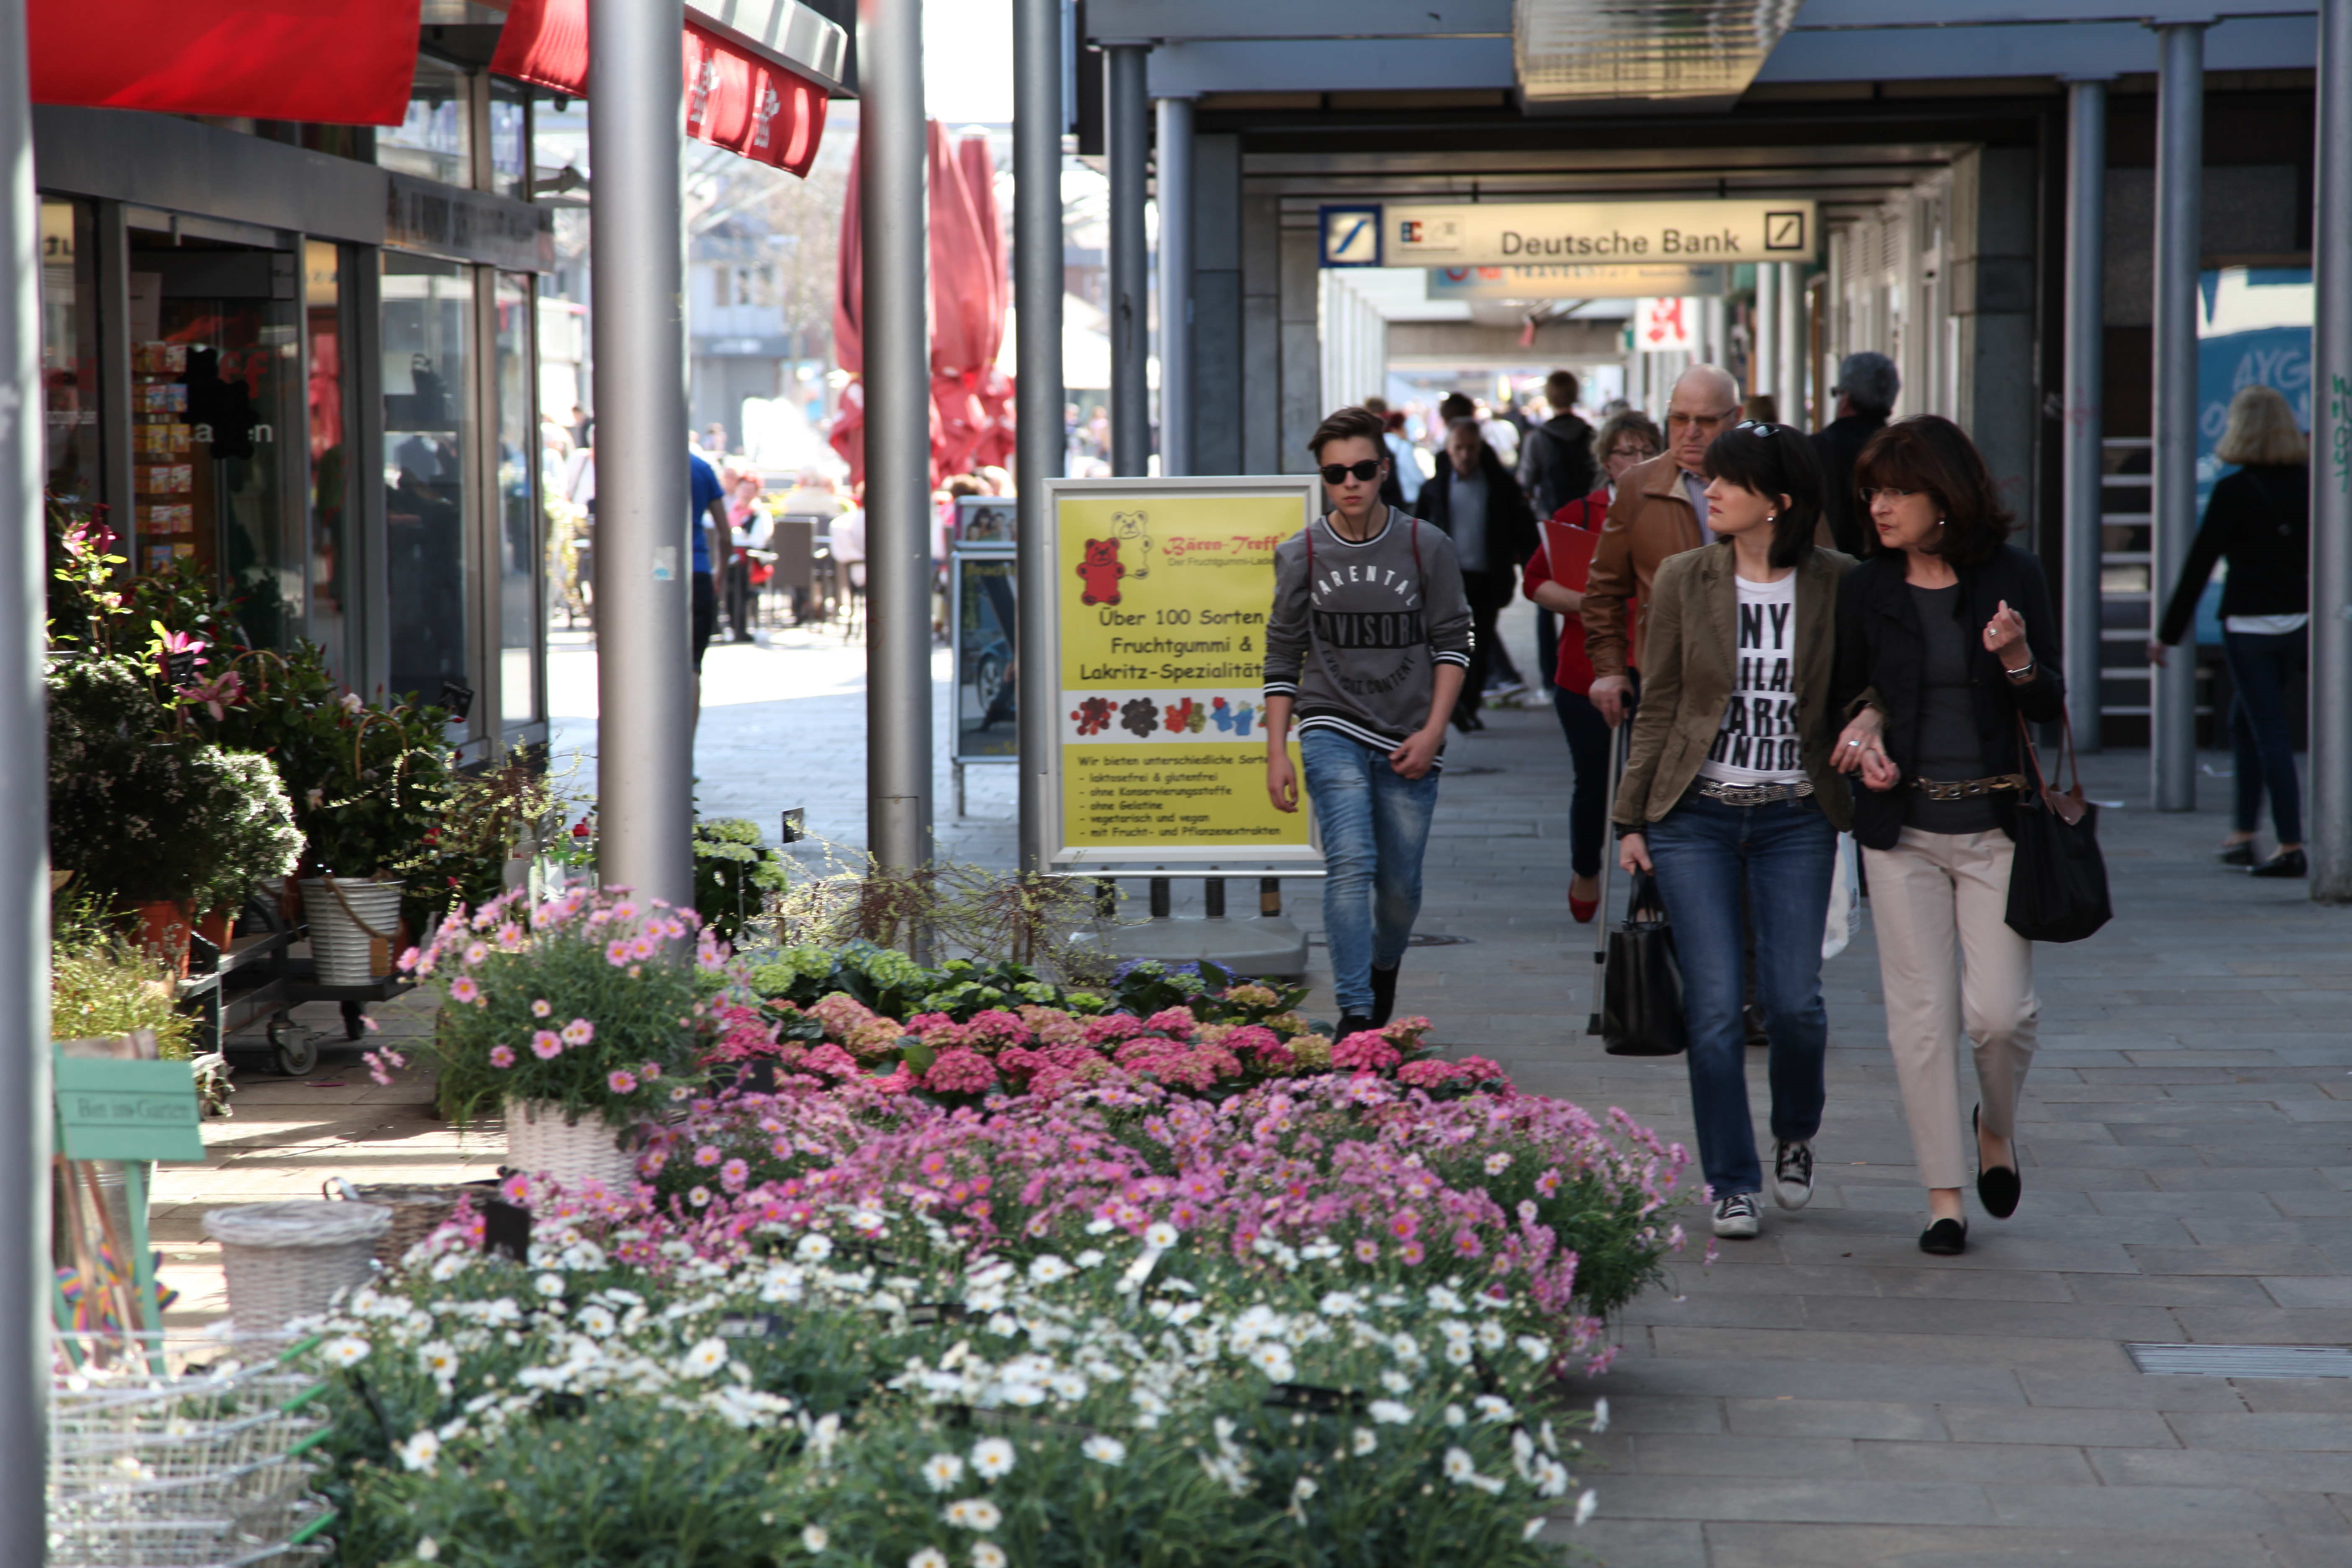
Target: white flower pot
[540,1141]
[354,928]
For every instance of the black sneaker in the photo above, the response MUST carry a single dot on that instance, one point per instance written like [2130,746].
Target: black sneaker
[1383,994]
[1792,1174]
[1737,1217]
[2286,863]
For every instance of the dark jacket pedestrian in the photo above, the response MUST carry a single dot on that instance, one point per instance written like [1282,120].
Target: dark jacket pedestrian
[1867,389]
[1557,462]
[1482,512]
[2258,520]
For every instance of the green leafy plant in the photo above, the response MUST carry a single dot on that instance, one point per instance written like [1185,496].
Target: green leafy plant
[734,875]
[103,987]
[490,816]
[250,835]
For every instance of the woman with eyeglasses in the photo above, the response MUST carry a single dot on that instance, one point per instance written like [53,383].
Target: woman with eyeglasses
[1555,579]
[1945,647]
[1730,800]
[1367,644]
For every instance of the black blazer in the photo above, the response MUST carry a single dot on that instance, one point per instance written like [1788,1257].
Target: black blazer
[1837,448]
[1511,534]
[2260,520]
[1881,652]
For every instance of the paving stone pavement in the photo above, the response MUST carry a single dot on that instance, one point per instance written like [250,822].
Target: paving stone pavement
[1826,1395]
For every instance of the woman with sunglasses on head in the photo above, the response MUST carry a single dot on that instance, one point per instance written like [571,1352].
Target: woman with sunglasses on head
[1626,440]
[1945,642]
[1367,644]
[1730,799]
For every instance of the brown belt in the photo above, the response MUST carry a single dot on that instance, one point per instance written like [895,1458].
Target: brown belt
[1968,789]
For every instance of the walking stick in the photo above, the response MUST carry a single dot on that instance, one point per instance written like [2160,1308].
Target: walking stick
[1608,863]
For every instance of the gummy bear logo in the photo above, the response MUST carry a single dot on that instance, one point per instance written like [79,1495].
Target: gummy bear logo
[1181,716]
[1092,715]
[1139,718]
[1232,720]
[1101,572]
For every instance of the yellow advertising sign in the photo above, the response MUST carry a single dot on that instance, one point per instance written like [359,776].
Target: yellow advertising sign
[1163,589]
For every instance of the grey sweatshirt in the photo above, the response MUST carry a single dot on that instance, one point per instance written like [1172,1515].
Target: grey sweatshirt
[1359,645]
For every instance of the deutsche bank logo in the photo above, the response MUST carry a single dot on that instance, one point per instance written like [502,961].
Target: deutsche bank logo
[1351,236]
[1784,231]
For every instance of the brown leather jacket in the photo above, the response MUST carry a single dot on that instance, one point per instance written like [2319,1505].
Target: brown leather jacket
[1650,520]
[1688,677]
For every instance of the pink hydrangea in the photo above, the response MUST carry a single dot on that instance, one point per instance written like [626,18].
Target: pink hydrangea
[1479,1070]
[1176,1023]
[937,1030]
[1053,1026]
[1252,1040]
[1426,1073]
[841,1014]
[1405,1032]
[1366,1051]
[875,1037]
[959,1071]
[830,1061]
[1113,1028]
[996,1027]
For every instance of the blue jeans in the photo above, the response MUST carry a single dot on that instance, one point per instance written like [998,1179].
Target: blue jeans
[1587,800]
[2261,665]
[1375,823]
[1775,861]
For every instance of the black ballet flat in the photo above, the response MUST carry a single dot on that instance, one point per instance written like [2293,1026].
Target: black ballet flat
[1998,1186]
[1945,1238]
[2238,854]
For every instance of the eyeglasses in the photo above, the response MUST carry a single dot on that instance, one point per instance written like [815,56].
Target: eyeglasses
[1886,493]
[1339,473]
[1641,452]
[1703,421]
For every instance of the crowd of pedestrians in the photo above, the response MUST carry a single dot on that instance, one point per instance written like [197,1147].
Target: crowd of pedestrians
[1800,636]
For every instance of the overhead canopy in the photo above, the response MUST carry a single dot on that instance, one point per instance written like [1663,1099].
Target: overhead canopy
[742,93]
[260,59]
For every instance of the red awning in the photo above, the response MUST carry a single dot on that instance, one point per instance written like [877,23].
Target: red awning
[734,99]
[338,62]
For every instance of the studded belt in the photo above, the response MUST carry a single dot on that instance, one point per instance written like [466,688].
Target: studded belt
[1968,789]
[1754,794]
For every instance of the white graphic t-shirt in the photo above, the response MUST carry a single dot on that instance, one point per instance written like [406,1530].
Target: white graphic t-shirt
[1758,742]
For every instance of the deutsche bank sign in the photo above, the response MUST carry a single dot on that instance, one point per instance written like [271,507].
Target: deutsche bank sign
[1507,233]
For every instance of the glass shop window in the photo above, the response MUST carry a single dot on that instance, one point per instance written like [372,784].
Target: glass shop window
[429,508]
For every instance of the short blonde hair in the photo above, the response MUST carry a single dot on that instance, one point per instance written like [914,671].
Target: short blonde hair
[2261,430]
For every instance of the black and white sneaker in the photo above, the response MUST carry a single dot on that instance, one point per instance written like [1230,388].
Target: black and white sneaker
[1737,1217]
[1792,1174]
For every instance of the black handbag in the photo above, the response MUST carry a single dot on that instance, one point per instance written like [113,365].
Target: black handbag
[1641,988]
[2058,879]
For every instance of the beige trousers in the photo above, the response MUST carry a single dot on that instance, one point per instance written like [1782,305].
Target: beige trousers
[1935,897]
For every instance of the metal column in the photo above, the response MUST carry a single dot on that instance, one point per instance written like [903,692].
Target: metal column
[1127,132]
[1795,354]
[2331,471]
[1764,358]
[1175,187]
[894,210]
[2086,343]
[2179,172]
[1037,120]
[645,671]
[25,846]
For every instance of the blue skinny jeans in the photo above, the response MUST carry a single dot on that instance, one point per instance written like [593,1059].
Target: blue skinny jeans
[1375,824]
[2260,665]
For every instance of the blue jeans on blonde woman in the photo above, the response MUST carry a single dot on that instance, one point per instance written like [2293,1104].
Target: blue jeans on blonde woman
[1375,823]
[1714,859]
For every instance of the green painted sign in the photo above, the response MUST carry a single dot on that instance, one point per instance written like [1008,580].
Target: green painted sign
[127,1111]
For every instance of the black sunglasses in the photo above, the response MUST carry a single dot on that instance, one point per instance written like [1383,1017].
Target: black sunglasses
[1337,473]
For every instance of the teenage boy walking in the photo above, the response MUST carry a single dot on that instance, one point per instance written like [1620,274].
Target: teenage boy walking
[1368,643]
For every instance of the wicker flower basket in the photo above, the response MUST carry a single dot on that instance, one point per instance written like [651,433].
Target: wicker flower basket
[542,1141]
[286,1260]
[418,1211]
[354,928]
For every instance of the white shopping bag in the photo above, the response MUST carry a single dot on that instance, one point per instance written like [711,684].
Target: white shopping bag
[1845,899]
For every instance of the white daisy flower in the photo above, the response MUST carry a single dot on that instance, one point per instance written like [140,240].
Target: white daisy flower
[705,1358]
[815,1538]
[1048,1269]
[929,1557]
[991,1457]
[1274,1360]
[1455,1415]
[348,1350]
[1160,1235]
[944,1470]
[1491,1408]
[1497,1162]
[420,1451]
[1533,1348]
[549,1284]
[1364,1441]
[1396,1382]
[1302,1489]
[1585,1505]
[1104,1450]
[1459,1466]
[1491,1335]
[815,1247]
[988,1554]
[1551,1478]
[1600,1416]
[595,1320]
[1389,1412]
[1533,1528]
[427,1549]
[974,1513]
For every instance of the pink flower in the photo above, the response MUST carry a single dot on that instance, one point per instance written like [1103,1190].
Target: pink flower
[1177,1023]
[1112,1027]
[1466,1243]
[1366,1051]
[1367,1250]
[463,989]
[733,1174]
[1255,1039]
[1426,1073]
[997,1027]
[707,1155]
[621,1080]
[1405,1223]
[830,1060]
[959,1071]
[502,1056]
[616,952]
[545,1046]
[699,1197]
[710,957]
[649,1072]
[579,1032]
[542,1008]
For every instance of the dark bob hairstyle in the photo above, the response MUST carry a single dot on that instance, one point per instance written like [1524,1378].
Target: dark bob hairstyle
[1773,461]
[1929,454]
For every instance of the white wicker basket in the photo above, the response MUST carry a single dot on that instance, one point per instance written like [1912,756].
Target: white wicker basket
[540,1140]
[286,1260]
[354,928]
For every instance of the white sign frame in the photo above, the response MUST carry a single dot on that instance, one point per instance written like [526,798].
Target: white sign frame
[1515,233]
[1055,853]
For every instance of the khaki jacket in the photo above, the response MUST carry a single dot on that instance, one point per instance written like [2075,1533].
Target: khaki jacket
[1688,677]
[1650,521]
